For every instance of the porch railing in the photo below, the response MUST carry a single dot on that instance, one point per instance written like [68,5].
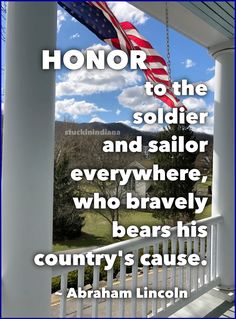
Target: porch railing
[196,280]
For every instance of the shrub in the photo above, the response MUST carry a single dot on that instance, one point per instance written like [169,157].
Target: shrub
[67,221]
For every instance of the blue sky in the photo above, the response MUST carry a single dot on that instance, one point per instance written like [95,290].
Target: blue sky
[113,96]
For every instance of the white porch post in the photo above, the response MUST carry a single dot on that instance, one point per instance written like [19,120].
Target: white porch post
[223,160]
[28,147]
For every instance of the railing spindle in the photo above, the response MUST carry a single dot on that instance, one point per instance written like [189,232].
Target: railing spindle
[173,269]
[209,249]
[145,284]
[96,275]
[109,287]
[164,272]
[213,252]
[80,284]
[202,256]
[180,272]
[122,286]
[217,234]
[134,284]
[188,270]
[195,268]
[155,281]
[64,277]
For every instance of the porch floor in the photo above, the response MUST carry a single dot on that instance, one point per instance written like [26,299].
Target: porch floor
[209,305]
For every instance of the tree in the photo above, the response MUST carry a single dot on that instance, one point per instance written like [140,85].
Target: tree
[67,221]
[178,161]
[110,189]
[106,189]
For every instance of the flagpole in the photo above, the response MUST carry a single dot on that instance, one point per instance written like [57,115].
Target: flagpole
[27,169]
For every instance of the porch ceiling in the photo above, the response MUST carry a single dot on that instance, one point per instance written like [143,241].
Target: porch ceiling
[208,23]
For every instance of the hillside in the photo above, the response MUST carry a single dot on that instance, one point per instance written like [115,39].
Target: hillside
[83,144]
[124,130]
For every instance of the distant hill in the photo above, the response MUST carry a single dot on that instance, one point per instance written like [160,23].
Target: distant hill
[85,150]
[124,130]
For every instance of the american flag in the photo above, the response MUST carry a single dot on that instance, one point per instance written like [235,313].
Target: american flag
[98,17]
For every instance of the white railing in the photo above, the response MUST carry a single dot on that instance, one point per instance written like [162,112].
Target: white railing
[196,280]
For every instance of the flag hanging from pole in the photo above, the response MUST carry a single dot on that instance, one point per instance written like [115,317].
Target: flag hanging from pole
[98,18]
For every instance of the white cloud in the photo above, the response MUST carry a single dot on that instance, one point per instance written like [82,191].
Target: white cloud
[151,128]
[194,104]
[118,111]
[75,108]
[84,82]
[98,46]
[207,128]
[124,11]
[75,36]
[212,69]
[144,128]
[199,105]
[136,99]
[126,122]
[61,17]
[188,63]
[97,119]
[211,84]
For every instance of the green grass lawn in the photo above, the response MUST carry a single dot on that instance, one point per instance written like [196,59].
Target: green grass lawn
[205,214]
[97,231]
[205,185]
